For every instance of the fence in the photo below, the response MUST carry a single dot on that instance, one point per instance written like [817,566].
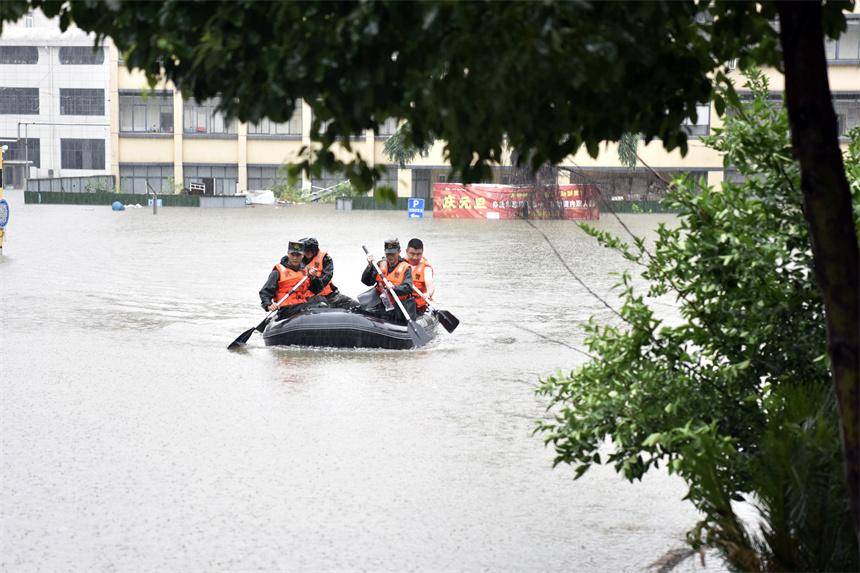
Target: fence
[62,198]
[91,184]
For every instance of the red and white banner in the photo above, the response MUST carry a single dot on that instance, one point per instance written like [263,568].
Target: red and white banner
[482,201]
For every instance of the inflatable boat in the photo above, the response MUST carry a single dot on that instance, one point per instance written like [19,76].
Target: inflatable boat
[341,328]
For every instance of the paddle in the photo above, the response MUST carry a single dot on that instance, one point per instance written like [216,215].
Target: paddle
[446,319]
[416,332]
[243,338]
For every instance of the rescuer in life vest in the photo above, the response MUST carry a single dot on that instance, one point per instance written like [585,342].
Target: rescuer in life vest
[422,273]
[320,268]
[284,276]
[399,273]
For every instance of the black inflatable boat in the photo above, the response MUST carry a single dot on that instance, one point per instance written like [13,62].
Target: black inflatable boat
[340,328]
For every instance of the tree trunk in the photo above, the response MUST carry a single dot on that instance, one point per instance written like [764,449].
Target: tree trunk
[828,212]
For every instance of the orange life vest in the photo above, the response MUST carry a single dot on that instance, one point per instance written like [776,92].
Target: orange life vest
[418,279]
[394,276]
[317,262]
[287,279]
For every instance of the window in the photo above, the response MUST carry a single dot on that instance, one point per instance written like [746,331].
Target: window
[261,177]
[133,178]
[830,49]
[218,179]
[847,108]
[146,112]
[81,55]
[269,127]
[389,177]
[19,55]
[16,151]
[388,127]
[82,101]
[701,124]
[82,153]
[19,101]
[421,183]
[327,180]
[847,47]
[203,118]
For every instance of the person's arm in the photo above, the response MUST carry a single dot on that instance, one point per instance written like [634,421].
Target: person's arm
[368,277]
[320,282]
[267,293]
[406,286]
[428,280]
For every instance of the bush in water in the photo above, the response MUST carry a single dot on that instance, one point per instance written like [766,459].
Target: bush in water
[734,395]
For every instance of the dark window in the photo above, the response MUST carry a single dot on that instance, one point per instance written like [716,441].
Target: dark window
[146,112]
[421,183]
[327,180]
[389,178]
[19,101]
[82,153]
[19,55]
[847,108]
[203,118]
[139,178]
[82,101]
[701,125]
[269,127]
[847,47]
[218,179]
[264,177]
[16,151]
[81,55]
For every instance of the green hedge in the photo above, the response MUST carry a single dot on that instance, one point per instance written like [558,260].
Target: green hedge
[60,198]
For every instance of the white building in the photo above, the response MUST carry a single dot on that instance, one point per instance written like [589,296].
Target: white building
[55,95]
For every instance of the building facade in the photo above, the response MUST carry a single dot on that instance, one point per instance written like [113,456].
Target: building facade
[82,112]
[55,99]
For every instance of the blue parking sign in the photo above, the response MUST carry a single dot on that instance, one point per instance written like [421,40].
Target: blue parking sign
[416,208]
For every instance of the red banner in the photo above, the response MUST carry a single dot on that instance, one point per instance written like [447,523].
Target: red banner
[482,201]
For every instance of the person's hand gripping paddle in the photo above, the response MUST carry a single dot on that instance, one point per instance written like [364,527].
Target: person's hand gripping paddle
[446,319]
[416,332]
[243,338]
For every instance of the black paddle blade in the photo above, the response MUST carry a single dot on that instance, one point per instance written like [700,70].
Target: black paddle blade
[241,340]
[262,326]
[447,320]
[418,334]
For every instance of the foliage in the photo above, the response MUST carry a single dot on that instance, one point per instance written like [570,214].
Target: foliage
[733,394]
[400,147]
[100,185]
[627,146]
[474,74]
[852,168]
[287,191]
[175,187]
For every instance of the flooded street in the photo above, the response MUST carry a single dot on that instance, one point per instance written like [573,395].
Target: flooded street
[132,440]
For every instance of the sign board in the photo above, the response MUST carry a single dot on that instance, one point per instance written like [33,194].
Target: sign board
[4,213]
[416,208]
[458,201]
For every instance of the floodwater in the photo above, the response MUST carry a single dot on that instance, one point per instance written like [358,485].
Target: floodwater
[132,440]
